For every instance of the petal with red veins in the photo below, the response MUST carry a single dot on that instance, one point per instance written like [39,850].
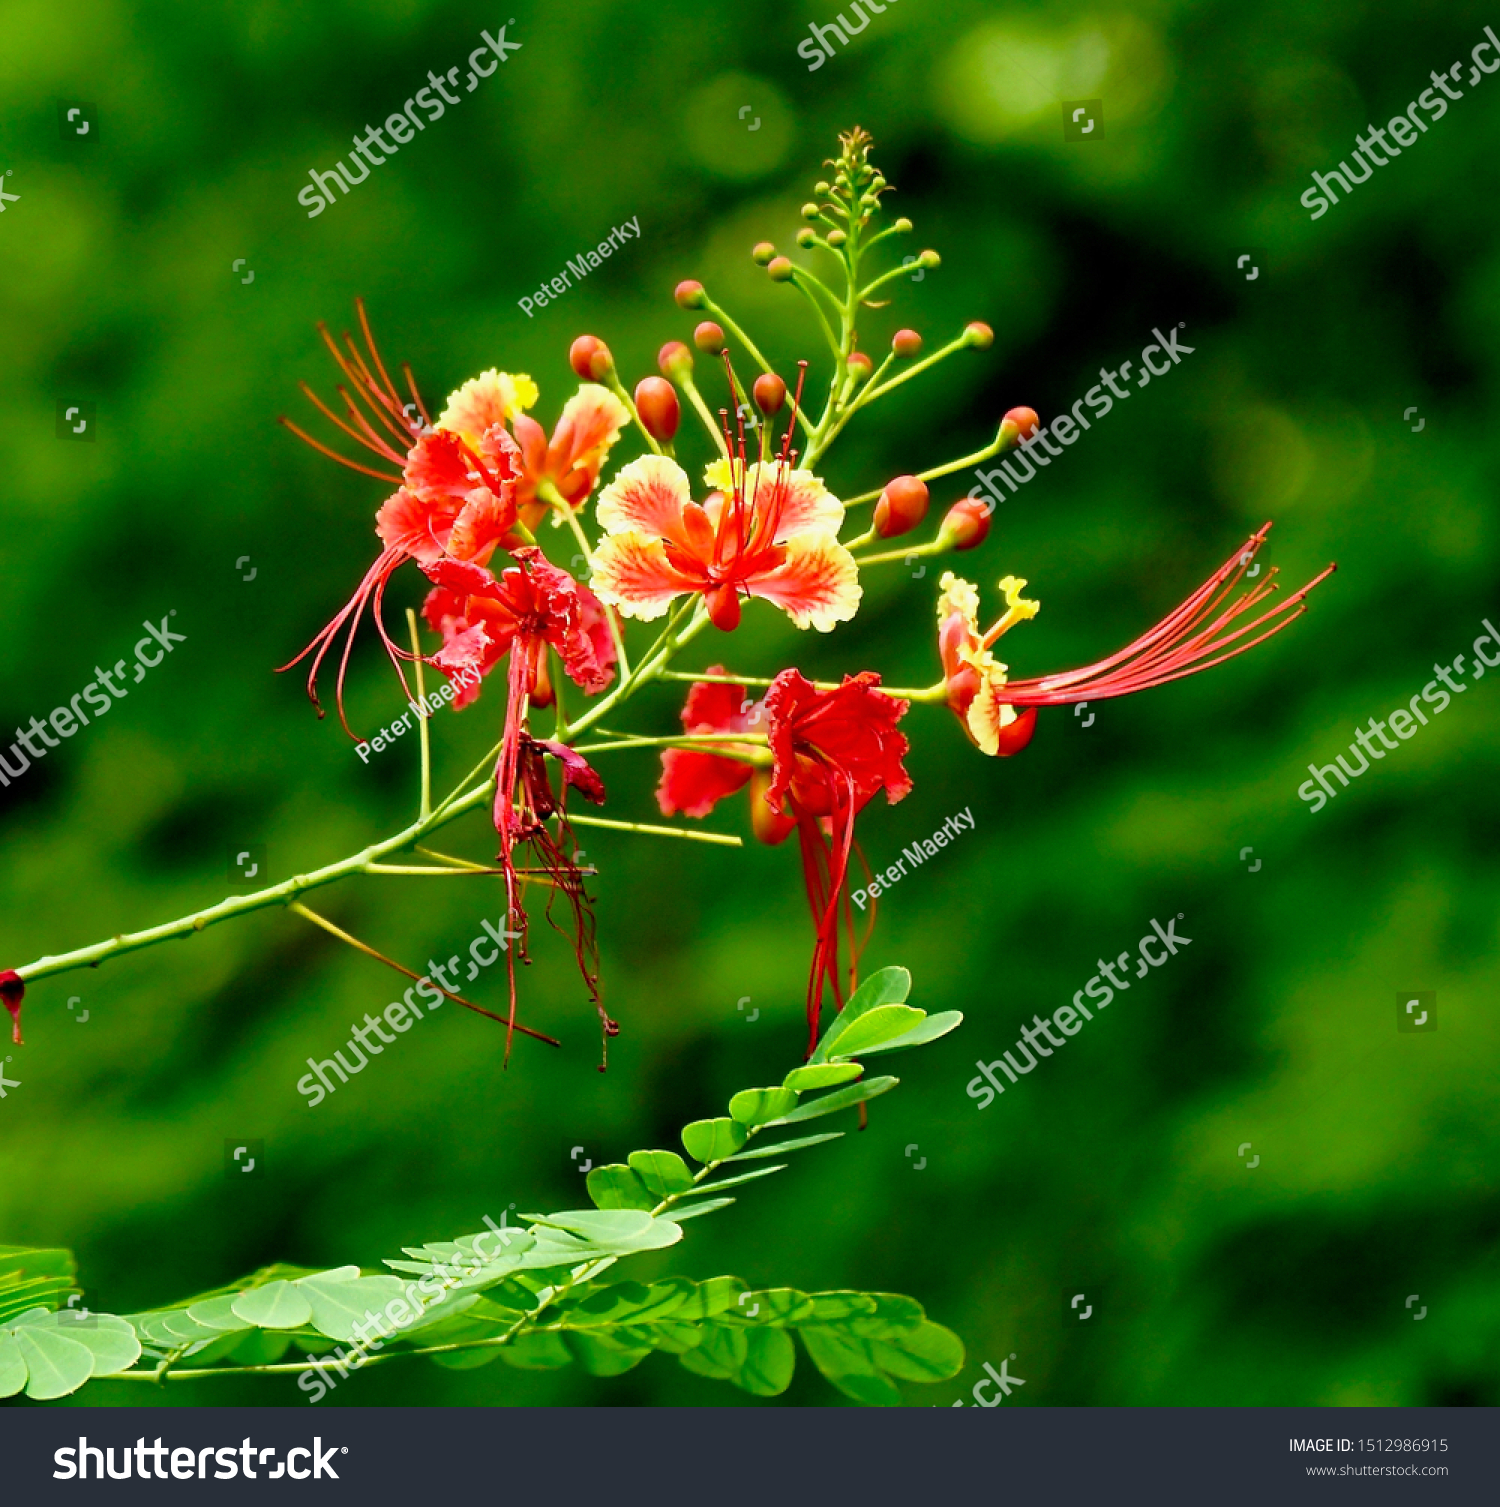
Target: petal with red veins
[647,496]
[632,573]
[493,397]
[416,525]
[466,657]
[461,576]
[484,521]
[817,583]
[590,424]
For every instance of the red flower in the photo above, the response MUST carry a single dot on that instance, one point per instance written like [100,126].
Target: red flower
[1196,636]
[831,752]
[457,494]
[532,606]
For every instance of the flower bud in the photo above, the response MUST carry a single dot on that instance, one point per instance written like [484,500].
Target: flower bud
[1018,424]
[709,338]
[822,188]
[902,226]
[690,295]
[770,393]
[723,603]
[12,992]
[906,343]
[807,237]
[656,402]
[929,259]
[770,826]
[902,506]
[837,237]
[674,360]
[779,269]
[810,211]
[860,366]
[965,525]
[590,358]
[979,335]
[762,253]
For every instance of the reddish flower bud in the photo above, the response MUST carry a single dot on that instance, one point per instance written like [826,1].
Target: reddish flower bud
[902,506]
[590,358]
[690,295]
[779,269]
[723,603]
[656,402]
[861,366]
[906,343]
[762,253]
[1024,421]
[674,360]
[966,524]
[12,992]
[979,335]
[708,337]
[770,826]
[770,393]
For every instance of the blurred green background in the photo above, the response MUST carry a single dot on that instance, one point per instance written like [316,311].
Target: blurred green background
[1113,1170]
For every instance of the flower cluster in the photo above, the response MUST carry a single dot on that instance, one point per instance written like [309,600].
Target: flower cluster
[764,526]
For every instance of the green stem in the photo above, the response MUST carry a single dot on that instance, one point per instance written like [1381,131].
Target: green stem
[990,451]
[685,381]
[718,839]
[424,810]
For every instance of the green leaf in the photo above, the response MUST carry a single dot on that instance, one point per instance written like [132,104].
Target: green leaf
[472,1360]
[217,1313]
[710,1141]
[604,1354]
[890,986]
[840,1098]
[535,1352]
[109,1340]
[758,1106]
[777,1305]
[928,1353]
[692,1211]
[884,1023]
[893,1316]
[928,1030]
[55,1365]
[837,1307]
[617,1187]
[758,1361]
[277,1305]
[803,1080]
[619,1232]
[849,1366]
[663,1172]
[715,1296]
[32,1277]
[339,1303]
[782,1147]
[734,1182]
[12,1365]
[629,1303]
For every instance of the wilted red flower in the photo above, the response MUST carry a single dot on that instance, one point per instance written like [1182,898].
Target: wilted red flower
[831,751]
[1196,636]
